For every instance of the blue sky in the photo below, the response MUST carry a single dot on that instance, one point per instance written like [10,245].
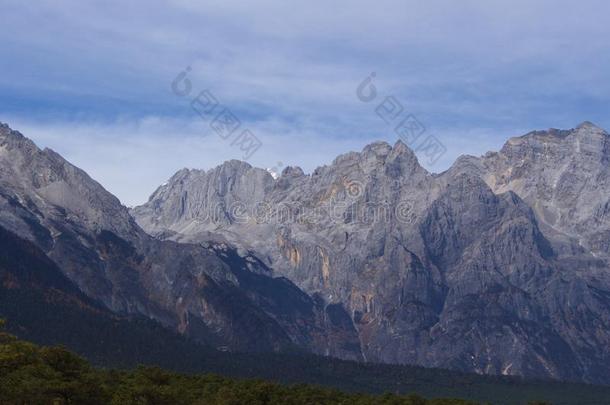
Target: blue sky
[92,80]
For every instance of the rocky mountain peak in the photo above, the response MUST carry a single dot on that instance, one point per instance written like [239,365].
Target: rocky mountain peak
[402,161]
[6,130]
[585,141]
[11,139]
[379,149]
[401,148]
[292,171]
[589,133]
[379,157]
[589,126]
[43,178]
[234,165]
[383,152]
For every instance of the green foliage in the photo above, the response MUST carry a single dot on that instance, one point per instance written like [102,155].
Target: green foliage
[30,374]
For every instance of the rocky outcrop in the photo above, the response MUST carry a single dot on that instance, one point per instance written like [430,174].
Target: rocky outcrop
[564,176]
[498,265]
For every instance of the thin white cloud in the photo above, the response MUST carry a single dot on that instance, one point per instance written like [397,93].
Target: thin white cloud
[85,77]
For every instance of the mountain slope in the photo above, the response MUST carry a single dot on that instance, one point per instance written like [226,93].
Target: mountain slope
[40,304]
[494,266]
[210,293]
[43,306]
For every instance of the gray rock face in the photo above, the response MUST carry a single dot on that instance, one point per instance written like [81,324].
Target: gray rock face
[498,265]
[564,176]
[210,292]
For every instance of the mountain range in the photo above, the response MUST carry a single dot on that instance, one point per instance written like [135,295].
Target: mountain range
[499,265]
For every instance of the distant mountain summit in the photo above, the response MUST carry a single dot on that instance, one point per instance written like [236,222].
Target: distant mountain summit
[498,265]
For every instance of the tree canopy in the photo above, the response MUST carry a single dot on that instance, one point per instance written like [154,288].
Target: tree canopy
[30,374]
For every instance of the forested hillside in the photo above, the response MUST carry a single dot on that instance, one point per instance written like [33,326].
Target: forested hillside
[30,374]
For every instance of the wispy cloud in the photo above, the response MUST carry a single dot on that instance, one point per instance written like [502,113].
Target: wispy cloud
[76,74]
